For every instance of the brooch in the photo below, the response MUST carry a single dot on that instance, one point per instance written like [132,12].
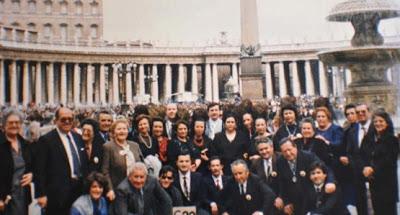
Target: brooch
[248,197]
[96,160]
[302,173]
[274,174]
[122,152]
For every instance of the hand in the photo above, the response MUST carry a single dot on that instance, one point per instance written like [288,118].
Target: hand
[330,188]
[214,209]
[42,201]
[368,171]
[279,203]
[26,179]
[2,205]
[225,213]
[288,209]
[257,213]
[110,195]
[204,156]
[344,160]
[318,136]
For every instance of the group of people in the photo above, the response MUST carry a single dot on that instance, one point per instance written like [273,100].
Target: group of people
[220,160]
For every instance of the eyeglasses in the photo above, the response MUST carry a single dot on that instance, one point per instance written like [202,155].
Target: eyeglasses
[66,119]
[167,177]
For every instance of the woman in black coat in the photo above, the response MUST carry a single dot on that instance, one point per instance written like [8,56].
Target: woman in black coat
[93,144]
[230,144]
[308,142]
[15,167]
[379,151]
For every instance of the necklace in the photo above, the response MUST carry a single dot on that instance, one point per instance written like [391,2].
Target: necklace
[147,143]
[288,131]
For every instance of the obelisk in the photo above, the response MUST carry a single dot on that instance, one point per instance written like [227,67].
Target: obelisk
[250,51]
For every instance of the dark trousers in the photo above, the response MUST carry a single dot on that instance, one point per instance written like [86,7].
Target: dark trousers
[62,206]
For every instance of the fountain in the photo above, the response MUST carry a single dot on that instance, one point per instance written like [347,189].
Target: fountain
[368,57]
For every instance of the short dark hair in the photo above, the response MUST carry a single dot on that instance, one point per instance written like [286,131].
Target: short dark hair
[228,114]
[349,106]
[95,177]
[318,165]
[180,122]
[103,112]
[91,122]
[289,107]
[287,139]
[212,104]
[214,158]
[165,169]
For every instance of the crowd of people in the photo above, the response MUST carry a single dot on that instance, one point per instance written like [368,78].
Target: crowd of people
[288,157]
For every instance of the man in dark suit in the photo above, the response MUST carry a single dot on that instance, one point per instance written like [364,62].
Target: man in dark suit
[353,139]
[245,193]
[190,184]
[62,164]
[215,183]
[141,194]
[292,169]
[105,120]
[317,201]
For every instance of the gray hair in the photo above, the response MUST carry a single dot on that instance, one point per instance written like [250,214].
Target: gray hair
[261,140]
[138,166]
[308,120]
[11,112]
[239,162]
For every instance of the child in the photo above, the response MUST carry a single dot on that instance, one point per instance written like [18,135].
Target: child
[316,200]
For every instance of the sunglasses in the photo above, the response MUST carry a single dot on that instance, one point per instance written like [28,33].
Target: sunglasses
[167,177]
[66,120]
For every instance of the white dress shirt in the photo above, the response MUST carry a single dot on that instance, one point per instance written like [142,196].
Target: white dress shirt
[67,148]
[181,175]
[361,133]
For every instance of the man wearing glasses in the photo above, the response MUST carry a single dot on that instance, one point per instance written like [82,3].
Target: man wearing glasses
[353,140]
[62,163]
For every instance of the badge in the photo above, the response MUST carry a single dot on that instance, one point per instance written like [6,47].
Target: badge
[96,160]
[122,152]
[294,179]
[274,174]
[298,135]
[302,173]
[248,197]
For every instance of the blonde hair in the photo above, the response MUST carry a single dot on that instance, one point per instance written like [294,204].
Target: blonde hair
[116,122]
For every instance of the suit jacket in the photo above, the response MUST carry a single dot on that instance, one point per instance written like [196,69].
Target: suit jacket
[7,166]
[114,164]
[258,197]
[212,192]
[54,173]
[292,191]
[272,181]
[197,192]
[155,199]
[323,203]
[96,157]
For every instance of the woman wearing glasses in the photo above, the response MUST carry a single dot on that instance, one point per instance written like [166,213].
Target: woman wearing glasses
[166,178]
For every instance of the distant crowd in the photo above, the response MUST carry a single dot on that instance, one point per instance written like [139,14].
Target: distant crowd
[285,156]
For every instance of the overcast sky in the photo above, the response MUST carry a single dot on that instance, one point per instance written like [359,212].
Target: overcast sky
[188,22]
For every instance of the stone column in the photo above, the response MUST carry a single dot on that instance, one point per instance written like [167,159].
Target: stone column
[154,84]
[38,83]
[128,83]
[142,89]
[194,89]
[168,82]
[50,83]
[240,80]
[89,84]
[77,81]
[13,83]
[282,80]
[348,77]
[208,83]
[215,83]
[63,84]
[235,75]
[310,90]
[115,84]
[296,81]
[181,79]
[268,81]
[2,82]
[102,85]
[323,80]
[25,84]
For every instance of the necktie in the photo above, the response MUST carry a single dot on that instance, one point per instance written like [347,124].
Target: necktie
[75,158]
[141,202]
[319,197]
[292,165]
[241,189]
[217,184]
[364,129]
[185,188]
[267,168]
